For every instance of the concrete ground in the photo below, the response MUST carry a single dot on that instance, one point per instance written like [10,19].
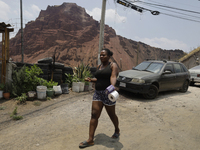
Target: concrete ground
[170,122]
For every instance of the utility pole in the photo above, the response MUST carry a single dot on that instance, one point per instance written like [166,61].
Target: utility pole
[22,42]
[101,35]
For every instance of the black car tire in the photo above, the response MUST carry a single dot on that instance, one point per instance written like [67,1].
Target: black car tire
[152,93]
[185,86]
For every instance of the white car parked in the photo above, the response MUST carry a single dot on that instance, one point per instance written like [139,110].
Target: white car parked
[194,75]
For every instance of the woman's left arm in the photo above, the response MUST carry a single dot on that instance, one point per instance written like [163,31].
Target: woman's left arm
[114,74]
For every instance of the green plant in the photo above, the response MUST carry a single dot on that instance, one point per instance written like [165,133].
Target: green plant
[32,78]
[75,79]
[14,112]
[2,85]
[22,98]
[14,115]
[48,98]
[17,117]
[81,72]
[48,84]
[68,80]
[2,107]
[26,79]
[18,81]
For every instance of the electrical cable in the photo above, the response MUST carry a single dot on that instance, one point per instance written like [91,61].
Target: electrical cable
[176,12]
[169,7]
[172,15]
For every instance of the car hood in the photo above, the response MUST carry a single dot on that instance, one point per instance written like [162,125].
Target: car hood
[135,74]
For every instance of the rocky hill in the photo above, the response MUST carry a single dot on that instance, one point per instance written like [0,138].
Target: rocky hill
[73,35]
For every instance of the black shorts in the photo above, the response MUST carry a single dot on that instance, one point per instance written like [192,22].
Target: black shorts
[103,97]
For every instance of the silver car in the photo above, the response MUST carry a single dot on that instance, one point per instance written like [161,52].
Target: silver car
[194,75]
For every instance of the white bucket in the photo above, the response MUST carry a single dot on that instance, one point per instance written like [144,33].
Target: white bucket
[57,90]
[41,92]
[75,86]
[81,86]
[90,86]
[1,94]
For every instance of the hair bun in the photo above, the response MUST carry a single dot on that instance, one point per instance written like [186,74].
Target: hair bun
[109,52]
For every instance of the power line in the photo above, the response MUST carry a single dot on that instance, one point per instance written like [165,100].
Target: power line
[135,7]
[177,12]
[171,9]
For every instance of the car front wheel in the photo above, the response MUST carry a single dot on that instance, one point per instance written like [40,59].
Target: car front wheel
[152,93]
[185,87]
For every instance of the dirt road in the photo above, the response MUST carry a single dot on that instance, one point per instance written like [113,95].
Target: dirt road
[171,122]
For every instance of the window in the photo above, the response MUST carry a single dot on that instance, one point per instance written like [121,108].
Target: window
[169,67]
[178,68]
[154,67]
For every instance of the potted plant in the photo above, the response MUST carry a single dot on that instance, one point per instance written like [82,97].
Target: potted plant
[75,84]
[2,85]
[69,79]
[7,90]
[81,72]
[50,92]
[86,87]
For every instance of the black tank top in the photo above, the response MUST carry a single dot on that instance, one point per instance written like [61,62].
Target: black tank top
[103,78]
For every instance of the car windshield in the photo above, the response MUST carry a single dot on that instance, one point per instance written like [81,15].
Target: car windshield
[149,66]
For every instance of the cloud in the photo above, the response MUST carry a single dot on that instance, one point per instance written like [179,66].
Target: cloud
[35,8]
[111,15]
[4,10]
[164,43]
[32,12]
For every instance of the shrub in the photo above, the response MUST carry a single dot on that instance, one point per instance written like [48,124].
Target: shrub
[81,72]
[22,98]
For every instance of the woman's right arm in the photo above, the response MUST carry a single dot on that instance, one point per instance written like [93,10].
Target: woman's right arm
[91,79]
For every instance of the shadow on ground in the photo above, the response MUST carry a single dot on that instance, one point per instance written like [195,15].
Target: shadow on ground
[139,97]
[102,139]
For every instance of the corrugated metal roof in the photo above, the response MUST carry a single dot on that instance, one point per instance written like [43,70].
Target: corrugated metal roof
[190,54]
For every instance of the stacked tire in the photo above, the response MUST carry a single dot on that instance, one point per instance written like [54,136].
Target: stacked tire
[56,72]
[19,65]
[45,69]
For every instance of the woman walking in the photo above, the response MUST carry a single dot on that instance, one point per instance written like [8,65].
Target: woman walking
[105,75]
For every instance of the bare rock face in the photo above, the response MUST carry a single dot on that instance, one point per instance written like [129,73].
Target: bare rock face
[69,32]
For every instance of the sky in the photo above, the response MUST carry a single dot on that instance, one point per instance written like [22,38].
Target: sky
[176,27]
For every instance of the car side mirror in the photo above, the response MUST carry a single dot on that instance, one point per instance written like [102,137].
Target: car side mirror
[167,72]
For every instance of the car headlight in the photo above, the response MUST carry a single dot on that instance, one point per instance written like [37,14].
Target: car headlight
[138,81]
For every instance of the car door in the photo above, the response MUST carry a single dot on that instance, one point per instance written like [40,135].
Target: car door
[180,75]
[167,79]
